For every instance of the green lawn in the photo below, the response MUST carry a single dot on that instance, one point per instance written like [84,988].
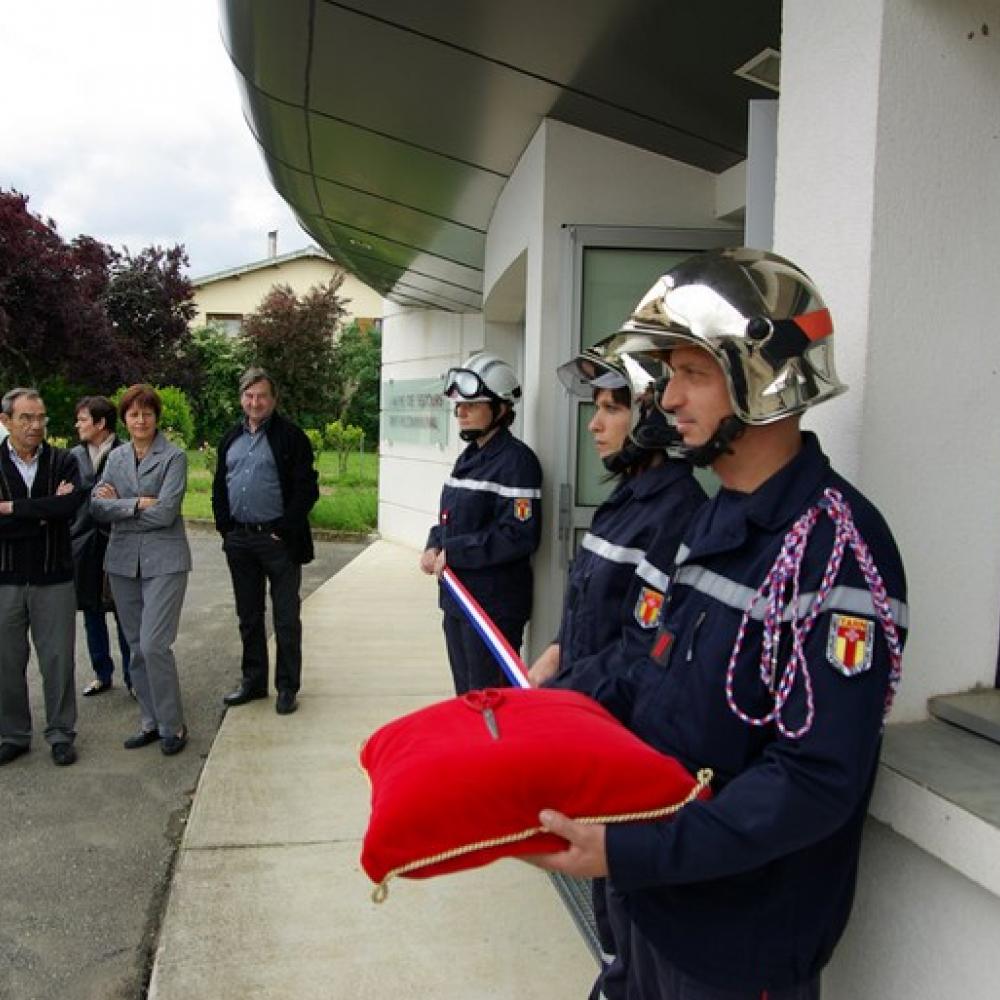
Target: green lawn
[346,503]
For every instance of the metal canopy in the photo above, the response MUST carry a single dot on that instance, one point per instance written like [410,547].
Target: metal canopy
[391,126]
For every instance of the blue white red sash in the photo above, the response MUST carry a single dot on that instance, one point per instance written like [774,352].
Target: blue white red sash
[511,664]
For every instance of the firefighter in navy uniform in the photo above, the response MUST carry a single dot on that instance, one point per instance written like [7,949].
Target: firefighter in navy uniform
[655,496]
[615,587]
[490,519]
[775,662]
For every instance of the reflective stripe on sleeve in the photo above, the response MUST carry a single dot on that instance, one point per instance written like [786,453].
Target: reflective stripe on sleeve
[613,553]
[485,486]
[656,578]
[850,600]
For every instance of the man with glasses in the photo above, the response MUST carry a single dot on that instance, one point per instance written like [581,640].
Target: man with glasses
[39,495]
[490,519]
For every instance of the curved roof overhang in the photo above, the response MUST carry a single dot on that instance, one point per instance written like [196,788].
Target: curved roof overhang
[391,127]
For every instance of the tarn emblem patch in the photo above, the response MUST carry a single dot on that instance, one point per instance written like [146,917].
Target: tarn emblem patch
[522,509]
[850,644]
[648,606]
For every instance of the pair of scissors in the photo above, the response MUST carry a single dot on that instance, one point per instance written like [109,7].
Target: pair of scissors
[485,701]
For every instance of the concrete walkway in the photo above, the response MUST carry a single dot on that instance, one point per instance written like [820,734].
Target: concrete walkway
[268,899]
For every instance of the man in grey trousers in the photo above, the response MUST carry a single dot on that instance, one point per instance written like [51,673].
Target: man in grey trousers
[39,495]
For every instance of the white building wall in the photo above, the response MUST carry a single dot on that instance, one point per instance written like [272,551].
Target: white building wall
[419,344]
[919,930]
[890,197]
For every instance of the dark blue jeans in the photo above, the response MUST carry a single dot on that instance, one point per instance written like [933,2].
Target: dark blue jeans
[95,624]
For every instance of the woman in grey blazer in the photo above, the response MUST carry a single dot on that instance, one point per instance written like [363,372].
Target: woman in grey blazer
[148,560]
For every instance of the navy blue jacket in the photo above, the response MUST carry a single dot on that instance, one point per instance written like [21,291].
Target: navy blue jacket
[490,522]
[619,575]
[752,889]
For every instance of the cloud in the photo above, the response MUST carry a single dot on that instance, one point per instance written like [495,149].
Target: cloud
[127,126]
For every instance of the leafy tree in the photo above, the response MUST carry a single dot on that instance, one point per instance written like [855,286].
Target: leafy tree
[358,360]
[216,362]
[344,439]
[294,340]
[150,303]
[52,321]
[61,397]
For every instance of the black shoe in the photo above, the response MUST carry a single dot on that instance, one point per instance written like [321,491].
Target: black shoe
[286,703]
[141,739]
[63,754]
[11,751]
[174,744]
[242,695]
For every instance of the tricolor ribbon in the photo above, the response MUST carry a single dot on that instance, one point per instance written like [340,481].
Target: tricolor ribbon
[511,664]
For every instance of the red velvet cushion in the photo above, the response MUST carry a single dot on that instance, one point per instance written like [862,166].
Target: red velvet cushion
[440,782]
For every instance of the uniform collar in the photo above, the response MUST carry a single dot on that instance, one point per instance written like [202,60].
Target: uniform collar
[772,506]
[658,478]
[785,495]
[495,443]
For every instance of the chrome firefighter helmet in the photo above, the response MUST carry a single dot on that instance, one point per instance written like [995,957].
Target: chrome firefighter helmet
[483,378]
[761,318]
[603,366]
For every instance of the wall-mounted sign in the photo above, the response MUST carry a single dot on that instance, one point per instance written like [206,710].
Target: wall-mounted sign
[415,412]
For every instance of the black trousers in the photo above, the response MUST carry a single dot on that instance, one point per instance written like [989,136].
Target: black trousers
[472,664]
[257,560]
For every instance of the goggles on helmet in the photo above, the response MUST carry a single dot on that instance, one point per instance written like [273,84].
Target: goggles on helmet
[461,383]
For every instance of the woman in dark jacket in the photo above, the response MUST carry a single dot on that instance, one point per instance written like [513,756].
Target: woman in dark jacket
[95,425]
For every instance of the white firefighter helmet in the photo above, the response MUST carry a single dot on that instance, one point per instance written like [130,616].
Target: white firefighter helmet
[484,378]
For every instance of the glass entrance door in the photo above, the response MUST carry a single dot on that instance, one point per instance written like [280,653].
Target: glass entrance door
[612,269]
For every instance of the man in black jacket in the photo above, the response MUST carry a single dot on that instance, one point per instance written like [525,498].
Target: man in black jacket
[264,487]
[39,494]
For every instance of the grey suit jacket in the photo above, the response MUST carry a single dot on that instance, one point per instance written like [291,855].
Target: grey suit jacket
[152,542]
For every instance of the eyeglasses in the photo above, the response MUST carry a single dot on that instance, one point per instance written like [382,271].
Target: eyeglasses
[27,419]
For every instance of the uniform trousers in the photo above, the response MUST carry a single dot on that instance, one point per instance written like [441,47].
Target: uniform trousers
[257,560]
[642,973]
[149,610]
[473,666]
[49,614]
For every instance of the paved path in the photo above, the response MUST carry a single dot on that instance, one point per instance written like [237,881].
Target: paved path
[86,852]
[268,900]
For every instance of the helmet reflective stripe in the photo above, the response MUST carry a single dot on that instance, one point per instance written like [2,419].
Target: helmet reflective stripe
[761,318]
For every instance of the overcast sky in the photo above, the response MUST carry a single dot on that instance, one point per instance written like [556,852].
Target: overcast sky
[121,119]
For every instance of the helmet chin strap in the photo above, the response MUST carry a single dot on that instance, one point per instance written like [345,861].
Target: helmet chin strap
[651,433]
[729,430]
[475,433]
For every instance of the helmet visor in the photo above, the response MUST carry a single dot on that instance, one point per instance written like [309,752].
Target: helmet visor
[585,373]
[463,384]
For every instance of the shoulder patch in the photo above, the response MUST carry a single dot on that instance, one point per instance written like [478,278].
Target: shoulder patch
[850,644]
[647,607]
[522,508]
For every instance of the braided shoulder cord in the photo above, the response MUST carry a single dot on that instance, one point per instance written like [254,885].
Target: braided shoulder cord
[784,574]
